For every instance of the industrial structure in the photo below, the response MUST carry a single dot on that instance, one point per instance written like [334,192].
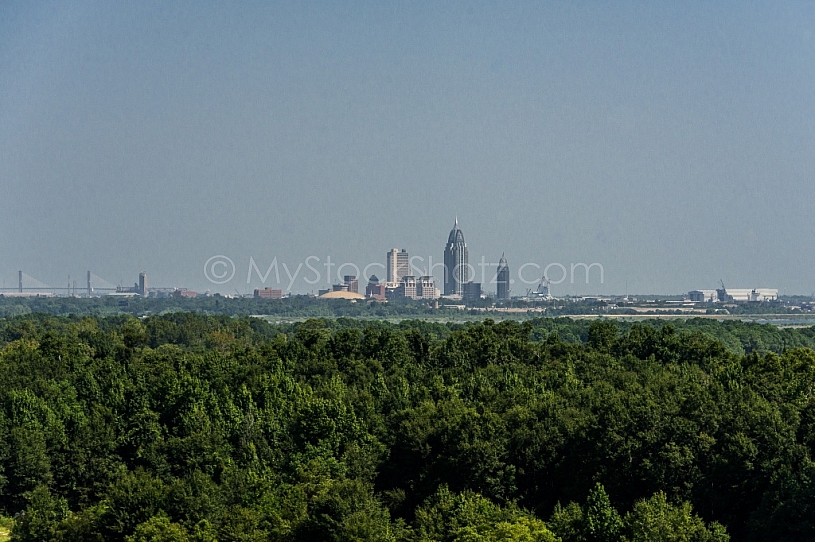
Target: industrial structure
[542,291]
[734,295]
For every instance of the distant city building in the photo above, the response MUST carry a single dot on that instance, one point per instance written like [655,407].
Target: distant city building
[543,290]
[398,266]
[138,288]
[143,284]
[703,296]
[747,294]
[375,290]
[471,291]
[426,288]
[734,295]
[405,289]
[342,294]
[268,293]
[456,271]
[183,292]
[349,284]
[412,287]
[502,278]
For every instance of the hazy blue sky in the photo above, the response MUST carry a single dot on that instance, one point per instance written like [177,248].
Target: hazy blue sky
[673,143]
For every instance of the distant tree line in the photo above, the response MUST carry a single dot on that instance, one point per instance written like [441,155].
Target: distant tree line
[302,306]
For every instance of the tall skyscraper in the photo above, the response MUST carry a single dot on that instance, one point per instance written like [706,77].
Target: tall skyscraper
[143,284]
[456,271]
[502,278]
[398,266]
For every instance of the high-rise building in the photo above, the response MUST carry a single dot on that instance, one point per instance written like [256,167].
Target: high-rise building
[143,284]
[398,266]
[456,271]
[502,278]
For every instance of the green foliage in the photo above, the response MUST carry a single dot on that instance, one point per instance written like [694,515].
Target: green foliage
[345,510]
[652,519]
[603,522]
[204,428]
[41,517]
[602,334]
[657,519]
[568,523]
[447,516]
[158,528]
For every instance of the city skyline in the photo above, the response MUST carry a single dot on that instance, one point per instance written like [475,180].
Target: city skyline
[671,145]
[404,279]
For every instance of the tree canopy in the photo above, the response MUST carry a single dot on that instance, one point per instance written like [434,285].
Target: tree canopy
[203,428]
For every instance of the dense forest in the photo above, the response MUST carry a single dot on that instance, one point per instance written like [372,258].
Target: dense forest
[202,428]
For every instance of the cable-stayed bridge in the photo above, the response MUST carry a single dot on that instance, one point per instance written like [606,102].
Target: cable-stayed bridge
[94,284]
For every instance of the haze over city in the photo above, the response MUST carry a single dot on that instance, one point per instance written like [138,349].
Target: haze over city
[670,144]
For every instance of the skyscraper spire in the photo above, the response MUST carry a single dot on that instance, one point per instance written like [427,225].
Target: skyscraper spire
[456,269]
[502,279]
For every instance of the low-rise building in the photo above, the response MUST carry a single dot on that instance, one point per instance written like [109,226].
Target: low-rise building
[268,293]
[342,294]
[471,291]
[749,294]
[412,287]
[375,289]
[352,283]
[426,288]
[734,295]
